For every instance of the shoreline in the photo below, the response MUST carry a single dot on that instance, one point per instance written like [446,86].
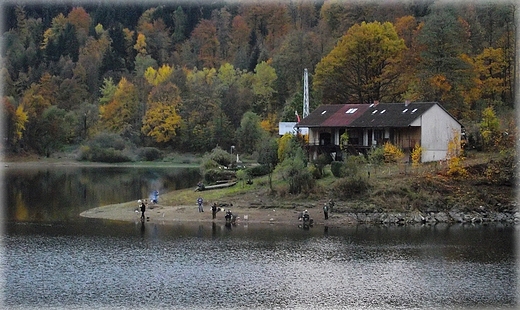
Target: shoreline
[262,209]
[160,214]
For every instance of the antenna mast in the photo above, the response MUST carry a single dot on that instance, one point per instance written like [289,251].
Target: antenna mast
[305,93]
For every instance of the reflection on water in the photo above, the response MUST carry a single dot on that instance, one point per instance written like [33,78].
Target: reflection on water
[61,193]
[116,265]
[55,259]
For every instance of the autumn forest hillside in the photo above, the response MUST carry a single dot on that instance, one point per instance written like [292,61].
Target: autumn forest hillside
[192,75]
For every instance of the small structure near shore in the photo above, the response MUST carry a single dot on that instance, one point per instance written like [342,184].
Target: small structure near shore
[202,187]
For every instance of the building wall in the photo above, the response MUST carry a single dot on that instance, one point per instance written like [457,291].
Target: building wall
[437,129]
[406,138]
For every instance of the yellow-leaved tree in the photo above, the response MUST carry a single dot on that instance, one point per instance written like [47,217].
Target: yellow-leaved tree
[284,146]
[123,108]
[392,153]
[140,44]
[21,119]
[162,119]
[490,128]
[263,88]
[416,155]
[454,156]
[156,77]
[270,123]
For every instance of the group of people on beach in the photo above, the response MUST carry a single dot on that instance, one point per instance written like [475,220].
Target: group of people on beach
[214,208]
[142,204]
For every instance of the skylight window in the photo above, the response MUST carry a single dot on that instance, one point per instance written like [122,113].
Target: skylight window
[375,111]
[323,112]
[371,105]
[414,110]
[383,111]
[404,111]
[351,110]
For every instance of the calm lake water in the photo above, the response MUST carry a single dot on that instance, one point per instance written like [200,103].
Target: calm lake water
[53,258]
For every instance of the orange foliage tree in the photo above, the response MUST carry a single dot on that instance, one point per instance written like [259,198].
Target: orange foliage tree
[122,110]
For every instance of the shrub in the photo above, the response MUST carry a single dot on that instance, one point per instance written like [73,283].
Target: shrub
[376,156]
[108,140]
[316,172]
[109,155]
[105,147]
[336,167]
[456,169]
[284,146]
[392,153]
[353,164]
[416,155]
[346,188]
[84,152]
[502,172]
[455,159]
[214,175]
[149,154]
[299,177]
[321,162]
[242,176]
[258,171]
[222,157]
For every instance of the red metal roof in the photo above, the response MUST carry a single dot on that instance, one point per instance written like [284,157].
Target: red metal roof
[346,115]
[366,115]
[333,115]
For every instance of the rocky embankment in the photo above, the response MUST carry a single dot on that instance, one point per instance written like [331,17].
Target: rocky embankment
[511,216]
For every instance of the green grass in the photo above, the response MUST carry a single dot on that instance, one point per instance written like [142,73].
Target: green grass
[189,196]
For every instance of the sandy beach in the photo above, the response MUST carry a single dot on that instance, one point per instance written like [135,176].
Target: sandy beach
[189,213]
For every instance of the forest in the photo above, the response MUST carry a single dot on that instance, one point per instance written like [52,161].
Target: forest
[190,76]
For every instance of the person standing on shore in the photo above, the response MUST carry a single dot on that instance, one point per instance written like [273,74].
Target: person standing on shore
[326,211]
[143,209]
[200,201]
[214,210]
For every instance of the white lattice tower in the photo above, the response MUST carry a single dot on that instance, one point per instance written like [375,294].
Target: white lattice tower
[305,93]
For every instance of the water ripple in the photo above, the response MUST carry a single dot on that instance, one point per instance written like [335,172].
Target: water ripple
[248,272]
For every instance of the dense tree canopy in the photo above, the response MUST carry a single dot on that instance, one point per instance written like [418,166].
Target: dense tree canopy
[363,67]
[191,76]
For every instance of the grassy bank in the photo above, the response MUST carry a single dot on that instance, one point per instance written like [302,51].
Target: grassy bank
[385,188]
[390,187]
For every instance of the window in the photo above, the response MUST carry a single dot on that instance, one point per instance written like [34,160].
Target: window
[414,110]
[375,111]
[404,111]
[383,111]
[323,112]
[351,110]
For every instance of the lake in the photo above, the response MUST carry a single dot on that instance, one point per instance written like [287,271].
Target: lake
[53,258]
